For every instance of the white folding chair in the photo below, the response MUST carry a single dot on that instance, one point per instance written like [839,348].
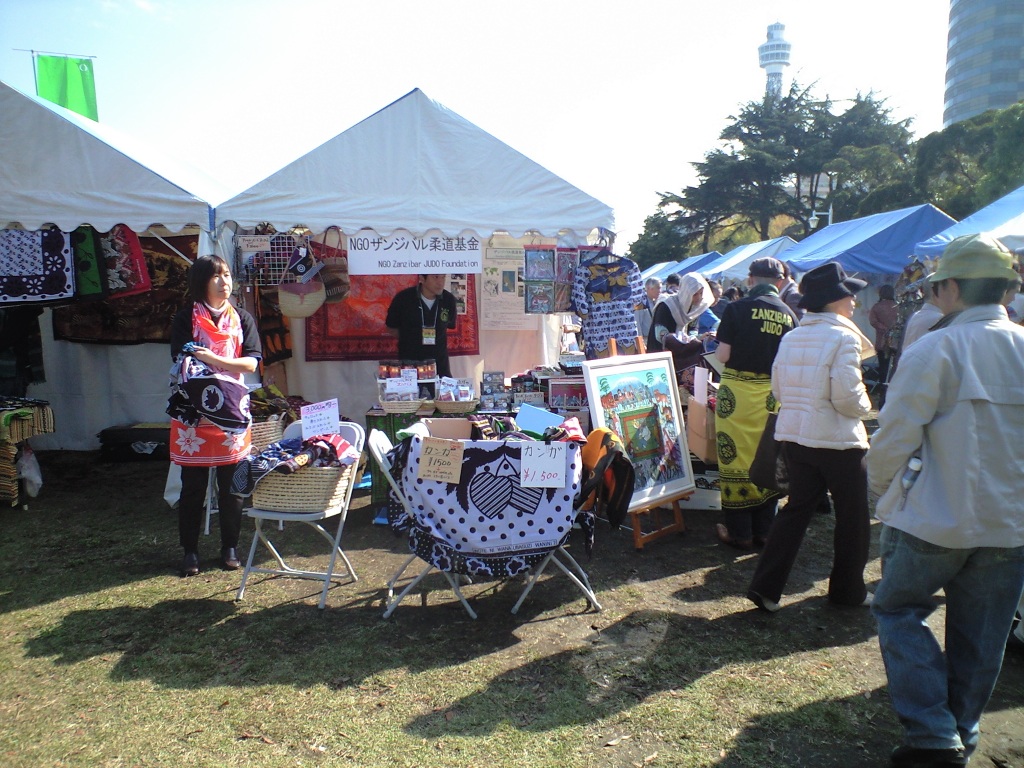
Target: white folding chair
[426,530]
[310,496]
[379,445]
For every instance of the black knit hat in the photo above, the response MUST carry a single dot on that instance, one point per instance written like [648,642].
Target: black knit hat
[825,284]
[767,267]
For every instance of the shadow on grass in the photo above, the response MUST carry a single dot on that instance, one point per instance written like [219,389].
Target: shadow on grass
[211,642]
[646,653]
[848,732]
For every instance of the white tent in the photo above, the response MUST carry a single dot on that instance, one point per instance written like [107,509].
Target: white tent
[418,166]
[735,265]
[57,167]
[1002,219]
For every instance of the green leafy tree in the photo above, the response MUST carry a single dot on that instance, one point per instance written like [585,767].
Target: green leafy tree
[1004,166]
[783,158]
[662,240]
[948,164]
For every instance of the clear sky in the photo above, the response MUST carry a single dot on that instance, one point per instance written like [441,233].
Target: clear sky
[618,97]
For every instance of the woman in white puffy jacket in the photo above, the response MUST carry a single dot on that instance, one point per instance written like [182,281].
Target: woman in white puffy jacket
[817,380]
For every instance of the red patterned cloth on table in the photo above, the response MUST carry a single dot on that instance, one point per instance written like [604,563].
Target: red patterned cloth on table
[353,329]
[206,444]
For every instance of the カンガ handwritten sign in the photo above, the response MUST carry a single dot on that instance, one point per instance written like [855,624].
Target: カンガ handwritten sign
[542,465]
[440,460]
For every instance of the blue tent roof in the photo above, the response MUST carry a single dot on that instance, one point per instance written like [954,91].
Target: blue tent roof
[667,269]
[653,270]
[1003,219]
[697,263]
[743,254]
[878,244]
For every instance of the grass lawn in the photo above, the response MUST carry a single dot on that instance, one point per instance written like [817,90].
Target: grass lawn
[108,658]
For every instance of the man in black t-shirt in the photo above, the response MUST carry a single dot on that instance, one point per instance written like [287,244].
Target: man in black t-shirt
[420,317]
[749,337]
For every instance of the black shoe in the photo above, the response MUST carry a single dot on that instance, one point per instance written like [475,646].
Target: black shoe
[190,565]
[229,559]
[1015,644]
[913,757]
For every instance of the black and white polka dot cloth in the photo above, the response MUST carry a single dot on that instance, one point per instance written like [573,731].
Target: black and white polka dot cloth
[488,525]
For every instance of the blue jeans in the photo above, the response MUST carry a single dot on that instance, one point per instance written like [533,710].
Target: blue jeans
[939,697]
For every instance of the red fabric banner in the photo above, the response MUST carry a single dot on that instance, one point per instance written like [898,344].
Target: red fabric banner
[353,329]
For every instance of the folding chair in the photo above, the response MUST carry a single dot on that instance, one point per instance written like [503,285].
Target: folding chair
[380,445]
[489,528]
[310,496]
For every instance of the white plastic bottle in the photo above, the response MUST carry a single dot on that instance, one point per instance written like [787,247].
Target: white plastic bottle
[912,471]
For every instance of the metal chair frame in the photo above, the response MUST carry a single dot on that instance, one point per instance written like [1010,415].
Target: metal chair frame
[354,434]
[379,446]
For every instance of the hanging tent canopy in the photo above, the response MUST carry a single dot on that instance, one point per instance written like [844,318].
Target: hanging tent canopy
[654,269]
[881,244]
[1003,219]
[735,265]
[696,263]
[416,165]
[666,269]
[57,167]
[682,267]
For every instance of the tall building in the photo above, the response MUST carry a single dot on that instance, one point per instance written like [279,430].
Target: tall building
[774,56]
[984,57]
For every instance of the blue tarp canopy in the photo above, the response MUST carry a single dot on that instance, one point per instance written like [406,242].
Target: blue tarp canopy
[879,244]
[666,269]
[735,264]
[693,263]
[654,269]
[1003,219]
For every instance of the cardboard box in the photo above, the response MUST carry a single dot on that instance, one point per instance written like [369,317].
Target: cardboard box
[708,494]
[449,429]
[701,438]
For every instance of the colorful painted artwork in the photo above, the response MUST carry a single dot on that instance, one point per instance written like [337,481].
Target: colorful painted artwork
[635,396]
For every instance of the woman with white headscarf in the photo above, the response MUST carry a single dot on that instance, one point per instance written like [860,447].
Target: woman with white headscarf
[676,312]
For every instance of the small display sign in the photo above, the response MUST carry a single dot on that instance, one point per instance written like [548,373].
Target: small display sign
[320,418]
[542,465]
[441,460]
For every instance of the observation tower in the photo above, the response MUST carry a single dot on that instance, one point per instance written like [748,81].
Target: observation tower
[774,56]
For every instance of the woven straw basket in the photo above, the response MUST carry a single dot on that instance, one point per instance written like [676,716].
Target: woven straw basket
[456,406]
[311,489]
[301,299]
[401,406]
[266,432]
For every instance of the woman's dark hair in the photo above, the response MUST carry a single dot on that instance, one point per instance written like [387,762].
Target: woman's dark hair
[203,269]
[886,292]
[732,293]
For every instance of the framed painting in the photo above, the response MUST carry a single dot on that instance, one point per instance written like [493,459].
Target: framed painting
[635,396]
[567,393]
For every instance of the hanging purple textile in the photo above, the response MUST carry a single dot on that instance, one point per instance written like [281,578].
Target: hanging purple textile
[36,266]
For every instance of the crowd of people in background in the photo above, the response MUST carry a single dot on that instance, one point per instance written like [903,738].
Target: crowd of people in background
[944,463]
